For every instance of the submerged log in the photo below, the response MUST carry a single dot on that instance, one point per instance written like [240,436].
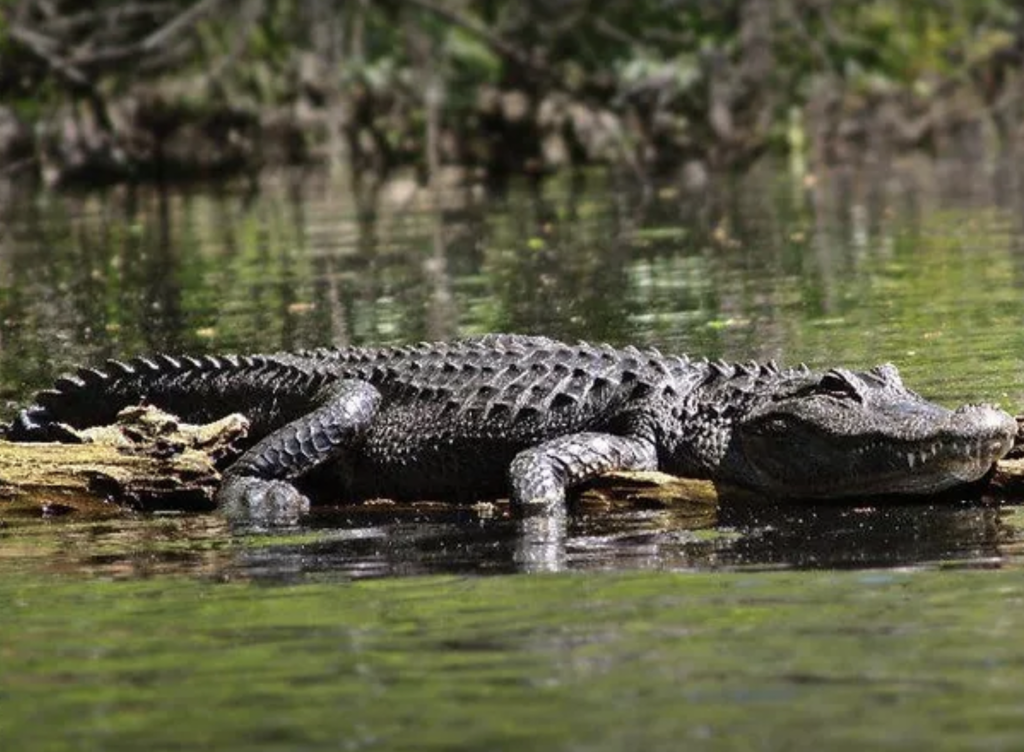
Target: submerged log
[148,459]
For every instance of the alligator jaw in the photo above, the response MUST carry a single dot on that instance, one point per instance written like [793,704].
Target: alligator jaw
[978,436]
[927,456]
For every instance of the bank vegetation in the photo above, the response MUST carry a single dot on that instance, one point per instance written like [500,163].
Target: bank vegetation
[121,90]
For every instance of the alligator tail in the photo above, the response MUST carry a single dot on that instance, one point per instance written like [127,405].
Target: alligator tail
[195,389]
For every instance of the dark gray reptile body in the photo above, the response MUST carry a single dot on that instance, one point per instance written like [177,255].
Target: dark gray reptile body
[476,418]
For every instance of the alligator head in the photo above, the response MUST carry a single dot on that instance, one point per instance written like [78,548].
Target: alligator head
[842,433]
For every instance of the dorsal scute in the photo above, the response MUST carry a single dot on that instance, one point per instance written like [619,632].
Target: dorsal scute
[563,355]
[630,364]
[564,400]
[169,362]
[497,410]
[91,376]
[118,367]
[68,383]
[145,363]
[657,363]
[575,387]
[679,365]
[45,397]
[486,391]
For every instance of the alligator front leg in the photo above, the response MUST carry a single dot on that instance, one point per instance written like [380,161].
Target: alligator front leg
[540,476]
[256,488]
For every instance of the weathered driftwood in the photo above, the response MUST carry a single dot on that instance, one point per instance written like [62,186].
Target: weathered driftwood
[150,460]
[647,489]
[1007,480]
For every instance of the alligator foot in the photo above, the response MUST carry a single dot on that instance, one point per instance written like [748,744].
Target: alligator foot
[255,502]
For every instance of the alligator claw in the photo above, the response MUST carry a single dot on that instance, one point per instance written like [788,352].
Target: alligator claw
[261,503]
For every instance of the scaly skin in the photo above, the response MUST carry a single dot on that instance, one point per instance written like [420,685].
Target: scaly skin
[480,417]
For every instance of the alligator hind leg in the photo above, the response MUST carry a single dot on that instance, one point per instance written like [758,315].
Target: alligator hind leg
[256,488]
[540,475]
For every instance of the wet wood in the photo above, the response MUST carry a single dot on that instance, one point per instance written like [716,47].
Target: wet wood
[1007,479]
[148,459]
[646,489]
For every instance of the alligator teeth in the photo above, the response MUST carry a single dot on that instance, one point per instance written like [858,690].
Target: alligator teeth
[911,459]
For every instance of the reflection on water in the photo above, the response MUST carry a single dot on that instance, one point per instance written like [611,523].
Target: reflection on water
[851,269]
[355,543]
[671,627]
[780,660]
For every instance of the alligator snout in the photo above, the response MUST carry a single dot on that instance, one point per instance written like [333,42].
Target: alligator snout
[995,430]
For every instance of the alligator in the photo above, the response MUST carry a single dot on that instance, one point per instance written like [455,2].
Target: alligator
[530,417]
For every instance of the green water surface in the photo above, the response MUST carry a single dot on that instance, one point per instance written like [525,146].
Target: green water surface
[748,626]
[781,660]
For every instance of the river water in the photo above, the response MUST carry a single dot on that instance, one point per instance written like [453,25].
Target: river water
[769,626]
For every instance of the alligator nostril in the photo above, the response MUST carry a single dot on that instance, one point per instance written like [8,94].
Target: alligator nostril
[986,417]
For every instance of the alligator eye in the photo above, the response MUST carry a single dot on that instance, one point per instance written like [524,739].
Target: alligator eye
[838,384]
[834,382]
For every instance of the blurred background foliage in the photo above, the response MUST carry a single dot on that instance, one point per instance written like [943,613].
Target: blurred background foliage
[134,89]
